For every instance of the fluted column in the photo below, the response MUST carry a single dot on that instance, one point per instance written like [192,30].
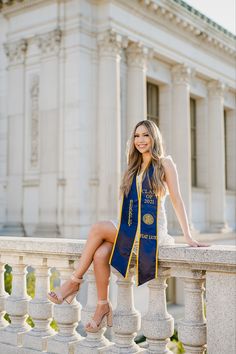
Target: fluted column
[137,56]
[15,109]
[109,123]
[216,159]
[126,320]
[3,296]
[16,305]
[192,329]
[67,318]
[93,341]
[181,147]
[40,308]
[49,45]
[157,323]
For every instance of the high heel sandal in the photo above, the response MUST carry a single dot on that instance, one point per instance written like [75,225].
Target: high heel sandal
[93,326]
[59,298]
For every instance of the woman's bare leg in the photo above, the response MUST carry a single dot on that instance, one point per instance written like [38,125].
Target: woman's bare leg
[102,275]
[99,232]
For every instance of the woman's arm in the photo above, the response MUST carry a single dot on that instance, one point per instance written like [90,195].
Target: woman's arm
[172,180]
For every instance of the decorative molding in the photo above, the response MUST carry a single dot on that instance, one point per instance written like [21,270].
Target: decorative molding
[110,43]
[182,74]
[193,22]
[49,43]
[16,51]
[34,93]
[31,182]
[217,88]
[138,54]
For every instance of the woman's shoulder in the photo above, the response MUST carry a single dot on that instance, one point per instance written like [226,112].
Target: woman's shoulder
[167,160]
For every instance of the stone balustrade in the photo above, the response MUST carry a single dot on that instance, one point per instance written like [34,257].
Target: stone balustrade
[213,268]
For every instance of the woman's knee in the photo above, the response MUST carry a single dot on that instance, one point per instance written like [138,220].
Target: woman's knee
[102,254]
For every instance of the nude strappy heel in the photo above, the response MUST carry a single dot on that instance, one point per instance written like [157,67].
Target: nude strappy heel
[94,326]
[56,296]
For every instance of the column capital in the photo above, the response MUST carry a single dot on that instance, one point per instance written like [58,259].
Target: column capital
[110,43]
[16,51]
[49,43]
[182,74]
[137,54]
[216,88]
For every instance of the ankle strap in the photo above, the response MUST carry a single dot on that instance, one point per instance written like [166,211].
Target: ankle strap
[101,302]
[76,279]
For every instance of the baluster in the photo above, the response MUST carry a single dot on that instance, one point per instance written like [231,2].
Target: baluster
[126,320]
[66,316]
[40,308]
[16,303]
[93,341]
[157,323]
[3,296]
[192,329]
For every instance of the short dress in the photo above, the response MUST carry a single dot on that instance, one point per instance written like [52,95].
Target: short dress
[163,237]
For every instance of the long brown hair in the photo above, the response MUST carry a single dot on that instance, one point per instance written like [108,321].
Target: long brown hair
[134,160]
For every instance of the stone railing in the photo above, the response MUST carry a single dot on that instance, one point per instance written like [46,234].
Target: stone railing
[214,266]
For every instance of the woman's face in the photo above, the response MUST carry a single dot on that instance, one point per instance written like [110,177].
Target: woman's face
[142,140]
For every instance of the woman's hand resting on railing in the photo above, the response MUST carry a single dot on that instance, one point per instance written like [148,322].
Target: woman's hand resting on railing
[194,243]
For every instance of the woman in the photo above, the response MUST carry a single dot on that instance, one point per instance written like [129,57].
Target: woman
[146,182]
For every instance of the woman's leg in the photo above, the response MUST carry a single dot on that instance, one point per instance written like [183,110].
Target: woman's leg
[102,275]
[100,232]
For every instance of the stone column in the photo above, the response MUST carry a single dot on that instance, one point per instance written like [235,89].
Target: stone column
[192,329]
[136,85]
[40,308]
[181,147]
[67,318]
[216,159]
[126,320]
[157,323]
[49,112]
[93,341]
[15,109]
[109,124]
[16,305]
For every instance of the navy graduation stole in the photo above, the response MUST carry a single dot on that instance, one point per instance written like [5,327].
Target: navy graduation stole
[138,209]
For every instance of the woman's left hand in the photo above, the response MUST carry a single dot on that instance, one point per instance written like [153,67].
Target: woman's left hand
[194,243]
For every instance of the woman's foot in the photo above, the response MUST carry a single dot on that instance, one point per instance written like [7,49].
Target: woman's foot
[103,310]
[67,290]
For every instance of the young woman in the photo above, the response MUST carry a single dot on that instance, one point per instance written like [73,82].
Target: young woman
[149,177]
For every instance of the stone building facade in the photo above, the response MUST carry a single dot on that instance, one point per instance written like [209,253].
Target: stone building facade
[76,75]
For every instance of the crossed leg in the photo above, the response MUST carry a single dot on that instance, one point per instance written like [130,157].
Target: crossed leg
[101,238]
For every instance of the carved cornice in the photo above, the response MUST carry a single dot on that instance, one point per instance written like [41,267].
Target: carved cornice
[137,55]
[182,74]
[195,23]
[49,43]
[16,51]
[217,88]
[110,43]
